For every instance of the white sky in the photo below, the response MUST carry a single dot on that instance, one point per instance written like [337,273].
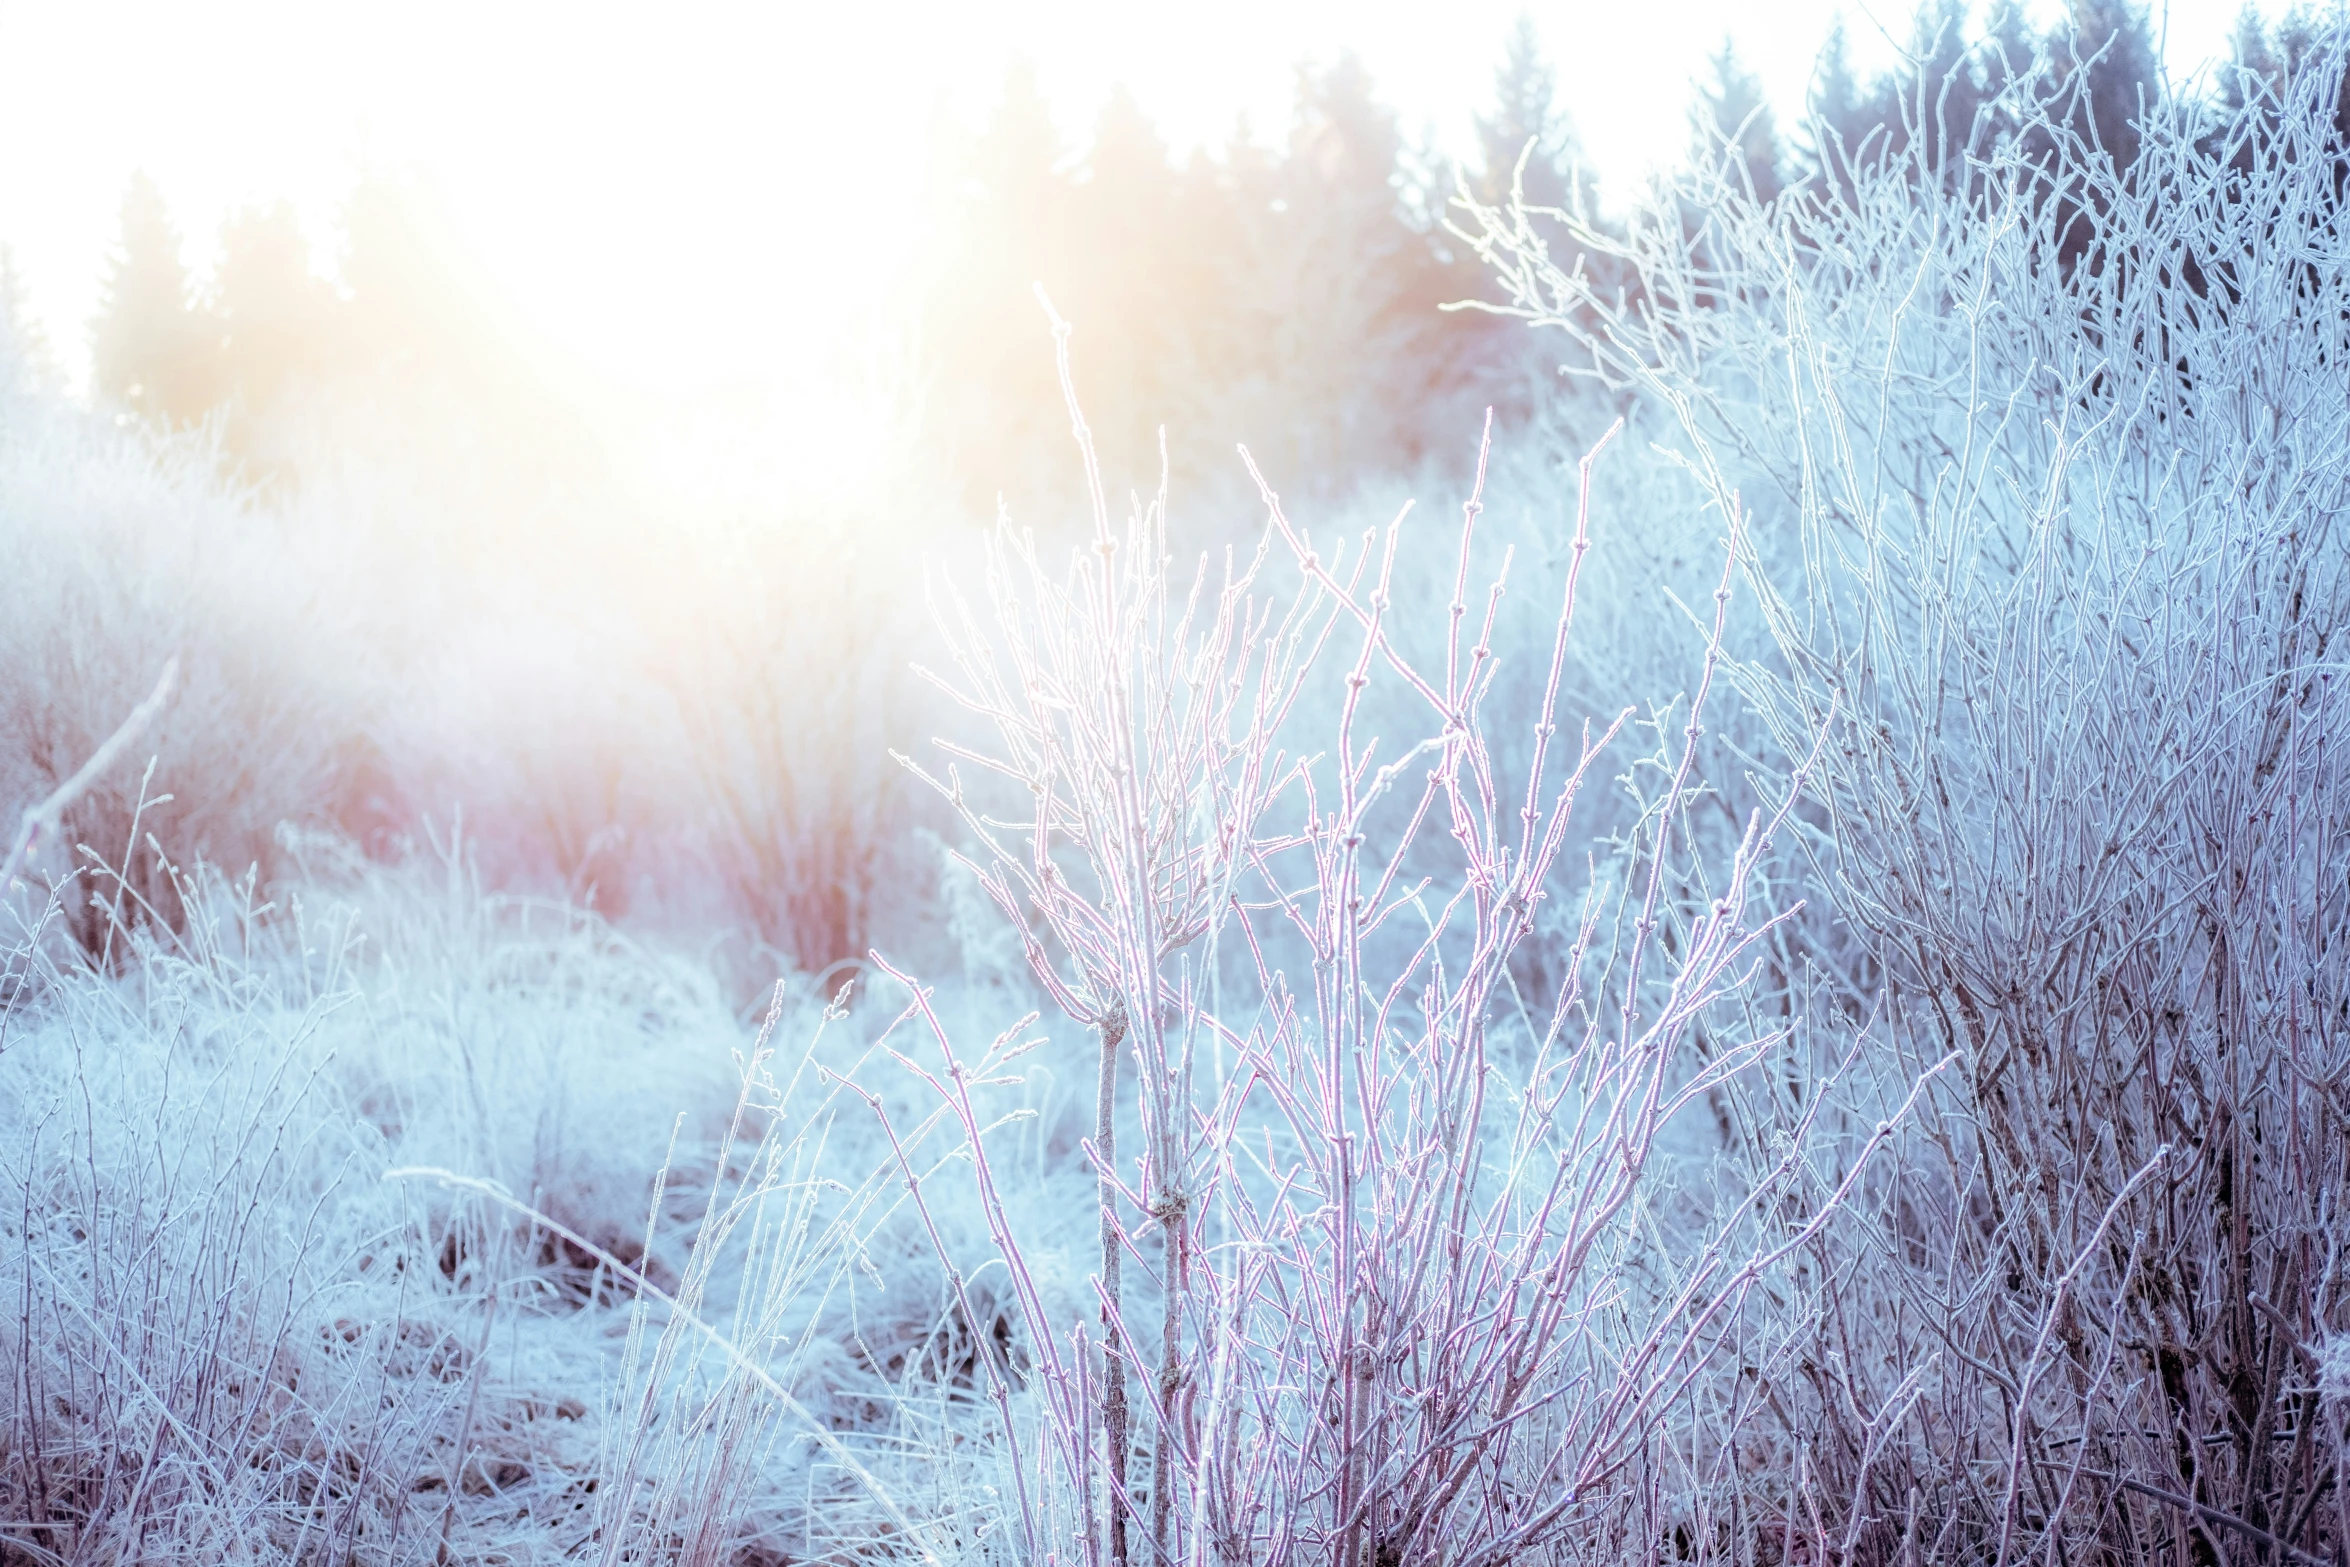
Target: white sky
[673,191]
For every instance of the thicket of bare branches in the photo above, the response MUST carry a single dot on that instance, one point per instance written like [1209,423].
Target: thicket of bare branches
[1366,1295]
[2046,481]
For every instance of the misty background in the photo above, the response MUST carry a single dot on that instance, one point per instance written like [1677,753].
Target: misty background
[554,600]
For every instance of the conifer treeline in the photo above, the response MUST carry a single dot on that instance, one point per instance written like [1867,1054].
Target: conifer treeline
[405,300]
[1285,294]
[1288,295]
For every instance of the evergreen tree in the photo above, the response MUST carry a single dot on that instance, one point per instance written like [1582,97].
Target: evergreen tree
[1945,98]
[1137,278]
[1846,125]
[1525,116]
[2300,36]
[1343,144]
[1338,293]
[1514,371]
[2253,69]
[417,302]
[152,351]
[1001,228]
[2106,61]
[1283,296]
[1935,113]
[274,313]
[24,356]
[2262,65]
[1016,165]
[1733,127]
[2102,77]
[2012,54]
[1126,166]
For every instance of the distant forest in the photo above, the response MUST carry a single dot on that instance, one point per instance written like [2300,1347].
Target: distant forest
[1289,292]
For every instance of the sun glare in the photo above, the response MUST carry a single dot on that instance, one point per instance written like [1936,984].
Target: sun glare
[709,205]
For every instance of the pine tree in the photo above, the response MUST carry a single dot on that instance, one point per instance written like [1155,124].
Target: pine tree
[1733,127]
[1135,279]
[24,355]
[1946,99]
[2253,69]
[274,313]
[1016,164]
[416,301]
[1337,291]
[2108,59]
[152,351]
[2301,35]
[2262,65]
[2102,77]
[2011,52]
[1510,370]
[1002,226]
[1526,121]
[1846,126]
[1935,114]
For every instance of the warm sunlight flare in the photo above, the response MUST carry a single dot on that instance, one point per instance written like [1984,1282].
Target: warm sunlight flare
[711,205]
[1248,785]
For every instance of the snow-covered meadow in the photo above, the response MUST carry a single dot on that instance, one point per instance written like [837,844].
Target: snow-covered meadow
[1757,978]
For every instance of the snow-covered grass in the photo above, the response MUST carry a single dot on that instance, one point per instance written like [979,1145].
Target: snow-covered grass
[404,1219]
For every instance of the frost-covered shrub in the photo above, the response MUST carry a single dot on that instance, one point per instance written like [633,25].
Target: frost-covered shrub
[121,552]
[1382,1281]
[2047,485]
[787,664]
